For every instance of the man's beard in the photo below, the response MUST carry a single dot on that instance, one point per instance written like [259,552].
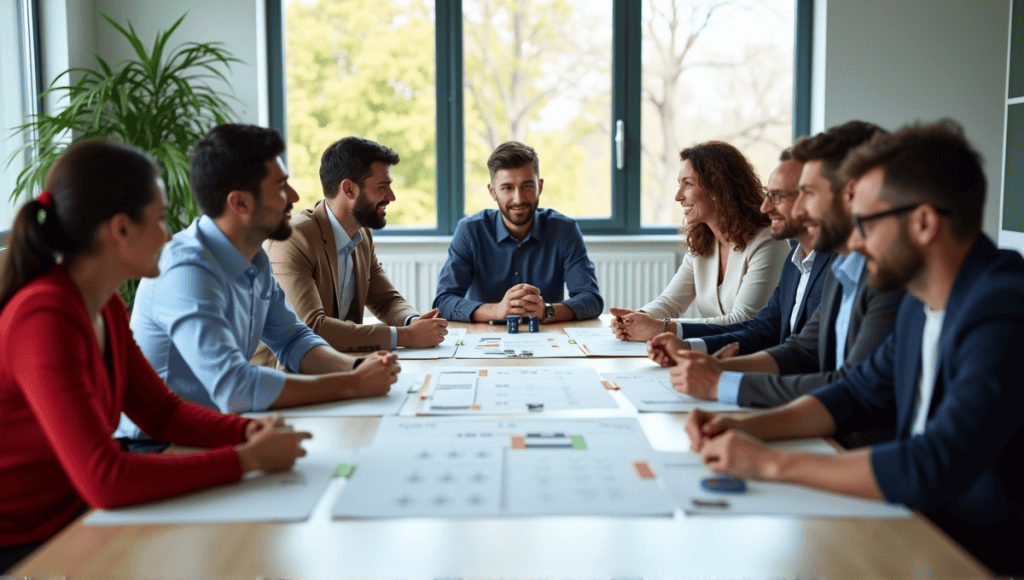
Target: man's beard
[790,230]
[833,230]
[521,220]
[282,232]
[366,215]
[899,265]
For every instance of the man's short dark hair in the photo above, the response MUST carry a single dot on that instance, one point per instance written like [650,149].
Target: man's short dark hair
[831,146]
[927,164]
[231,157]
[511,155]
[350,158]
[786,155]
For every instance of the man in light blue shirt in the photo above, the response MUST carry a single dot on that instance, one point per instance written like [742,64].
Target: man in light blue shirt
[852,318]
[517,260]
[200,321]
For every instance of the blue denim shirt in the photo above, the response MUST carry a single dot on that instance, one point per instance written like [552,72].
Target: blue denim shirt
[201,320]
[484,261]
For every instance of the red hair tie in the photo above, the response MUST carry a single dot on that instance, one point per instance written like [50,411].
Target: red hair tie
[45,200]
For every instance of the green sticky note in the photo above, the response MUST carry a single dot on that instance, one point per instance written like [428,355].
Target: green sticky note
[458,343]
[344,470]
[577,442]
[571,341]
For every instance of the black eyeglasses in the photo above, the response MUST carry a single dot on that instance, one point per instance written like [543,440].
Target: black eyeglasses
[860,220]
[776,195]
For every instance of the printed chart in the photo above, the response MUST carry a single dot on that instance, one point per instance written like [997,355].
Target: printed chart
[601,342]
[522,345]
[512,390]
[651,391]
[461,481]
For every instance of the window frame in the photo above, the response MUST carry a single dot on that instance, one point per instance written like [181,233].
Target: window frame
[626,105]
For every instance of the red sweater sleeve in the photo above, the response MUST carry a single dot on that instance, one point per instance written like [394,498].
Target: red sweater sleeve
[63,378]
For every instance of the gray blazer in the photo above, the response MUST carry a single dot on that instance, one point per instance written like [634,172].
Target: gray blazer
[807,359]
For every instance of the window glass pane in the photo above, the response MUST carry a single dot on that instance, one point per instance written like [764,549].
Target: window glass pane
[712,71]
[367,69]
[539,72]
[14,100]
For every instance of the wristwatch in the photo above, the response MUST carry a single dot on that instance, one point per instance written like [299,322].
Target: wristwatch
[549,311]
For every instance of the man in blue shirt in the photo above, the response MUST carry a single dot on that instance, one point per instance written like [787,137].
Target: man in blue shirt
[516,261]
[852,318]
[946,382]
[200,321]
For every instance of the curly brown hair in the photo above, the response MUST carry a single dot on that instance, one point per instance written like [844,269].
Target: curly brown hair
[734,191]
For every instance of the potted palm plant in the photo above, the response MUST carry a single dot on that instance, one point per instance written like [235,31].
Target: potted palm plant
[159,101]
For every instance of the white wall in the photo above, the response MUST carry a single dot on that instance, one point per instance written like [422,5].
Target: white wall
[896,61]
[73,32]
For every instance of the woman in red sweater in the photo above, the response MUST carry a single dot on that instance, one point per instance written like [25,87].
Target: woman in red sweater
[69,365]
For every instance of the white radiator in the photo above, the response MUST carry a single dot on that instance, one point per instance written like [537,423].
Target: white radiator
[626,279]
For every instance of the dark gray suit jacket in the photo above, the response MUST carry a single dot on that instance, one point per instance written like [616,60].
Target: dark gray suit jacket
[807,359]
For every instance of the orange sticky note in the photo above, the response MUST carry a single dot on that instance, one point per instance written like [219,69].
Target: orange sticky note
[643,470]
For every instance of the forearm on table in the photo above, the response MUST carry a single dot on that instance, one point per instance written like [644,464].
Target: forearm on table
[758,362]
[804,417]
[848,473]
[324,359]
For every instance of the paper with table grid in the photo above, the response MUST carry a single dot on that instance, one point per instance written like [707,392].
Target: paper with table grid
[512,390]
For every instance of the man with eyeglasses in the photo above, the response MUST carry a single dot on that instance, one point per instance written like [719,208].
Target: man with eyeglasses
[850,322]
[946,381]
[795,298]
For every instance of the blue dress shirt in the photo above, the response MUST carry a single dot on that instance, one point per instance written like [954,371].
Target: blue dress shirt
[201,320]
[848,271]
[484,261]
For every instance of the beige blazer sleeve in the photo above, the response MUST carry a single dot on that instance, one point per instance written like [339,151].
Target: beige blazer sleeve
[374,290]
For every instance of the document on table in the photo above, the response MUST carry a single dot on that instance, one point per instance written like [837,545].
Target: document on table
[431,480]
[259,497]
[521,345]
[651,391]
[512,390]
[389,404]
[446,349]
[601,342]
[498,432]
[682,480]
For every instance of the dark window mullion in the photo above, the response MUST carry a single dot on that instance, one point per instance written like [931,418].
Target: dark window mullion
[450,132]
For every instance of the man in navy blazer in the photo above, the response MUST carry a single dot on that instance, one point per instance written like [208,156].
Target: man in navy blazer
[947,380]
[777,319]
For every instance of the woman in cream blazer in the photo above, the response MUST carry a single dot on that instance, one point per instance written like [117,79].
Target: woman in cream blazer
[732,265]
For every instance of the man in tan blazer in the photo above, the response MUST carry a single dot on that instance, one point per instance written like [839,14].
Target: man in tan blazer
[328,268]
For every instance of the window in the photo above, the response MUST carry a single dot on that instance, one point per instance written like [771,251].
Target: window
[18,94]
[444,82]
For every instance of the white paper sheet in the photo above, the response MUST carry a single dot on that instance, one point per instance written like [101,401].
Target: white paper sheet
[408,432]
[389,404]
[682,480]
[259,497]
[601,342]
[446,349]
[651,391]
[512,390]
[522,345]
[598,482]
[459,481]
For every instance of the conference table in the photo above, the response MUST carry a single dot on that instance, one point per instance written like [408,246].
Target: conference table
[520,547]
